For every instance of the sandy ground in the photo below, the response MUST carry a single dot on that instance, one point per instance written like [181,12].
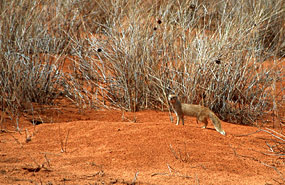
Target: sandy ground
[139,148]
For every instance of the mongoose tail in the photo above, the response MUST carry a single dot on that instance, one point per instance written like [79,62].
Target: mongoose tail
[217,123]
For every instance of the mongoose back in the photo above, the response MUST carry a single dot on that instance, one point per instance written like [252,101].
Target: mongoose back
[201,113]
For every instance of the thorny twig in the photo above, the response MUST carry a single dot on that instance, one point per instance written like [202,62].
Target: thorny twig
[259,161]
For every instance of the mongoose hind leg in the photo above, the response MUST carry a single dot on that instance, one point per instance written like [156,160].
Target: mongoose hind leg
[204,120]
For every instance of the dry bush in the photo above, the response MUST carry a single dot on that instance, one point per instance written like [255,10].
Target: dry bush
[35,38]
[30,70]
[131,54]
[210,54]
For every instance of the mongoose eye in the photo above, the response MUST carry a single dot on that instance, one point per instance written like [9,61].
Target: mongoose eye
[171,98]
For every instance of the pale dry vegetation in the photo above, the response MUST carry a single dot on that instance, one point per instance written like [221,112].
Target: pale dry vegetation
[131,54]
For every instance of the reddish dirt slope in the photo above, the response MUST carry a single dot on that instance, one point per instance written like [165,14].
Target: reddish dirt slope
[112,150]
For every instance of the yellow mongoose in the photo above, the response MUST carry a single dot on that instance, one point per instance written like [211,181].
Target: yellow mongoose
[201,113]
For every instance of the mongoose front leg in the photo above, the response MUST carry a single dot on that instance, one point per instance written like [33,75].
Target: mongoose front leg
[177,118]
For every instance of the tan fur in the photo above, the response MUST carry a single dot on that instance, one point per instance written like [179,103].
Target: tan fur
[201,113]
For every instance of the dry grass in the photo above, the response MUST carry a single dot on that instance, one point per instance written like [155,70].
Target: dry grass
[131,54]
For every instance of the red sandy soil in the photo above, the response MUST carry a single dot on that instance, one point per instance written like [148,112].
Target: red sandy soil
[139,148]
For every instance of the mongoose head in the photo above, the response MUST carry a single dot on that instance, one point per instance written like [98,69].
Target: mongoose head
[172,98]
